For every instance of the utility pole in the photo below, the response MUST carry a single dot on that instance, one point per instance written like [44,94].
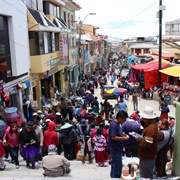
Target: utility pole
[160,42]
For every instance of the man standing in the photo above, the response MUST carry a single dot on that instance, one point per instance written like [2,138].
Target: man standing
[148,144]
[116,138]
[135,100]
[131,146]
[122,104]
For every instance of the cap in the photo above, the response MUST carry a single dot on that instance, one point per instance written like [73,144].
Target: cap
[39,111]
[58,113]
[35,114]
[52,148]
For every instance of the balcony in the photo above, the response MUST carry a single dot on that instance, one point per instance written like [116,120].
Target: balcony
[43,63]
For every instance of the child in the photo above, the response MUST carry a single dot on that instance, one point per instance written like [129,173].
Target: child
[1,157]
[100,148]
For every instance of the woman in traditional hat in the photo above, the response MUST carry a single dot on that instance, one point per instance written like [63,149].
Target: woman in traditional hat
[29,144]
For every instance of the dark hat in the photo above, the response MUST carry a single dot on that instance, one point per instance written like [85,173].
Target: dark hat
[83,122]
[29,124]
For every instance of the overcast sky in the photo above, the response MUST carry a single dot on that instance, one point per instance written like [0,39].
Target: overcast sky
[127,18]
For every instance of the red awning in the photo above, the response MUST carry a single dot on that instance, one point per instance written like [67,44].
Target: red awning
[152,65]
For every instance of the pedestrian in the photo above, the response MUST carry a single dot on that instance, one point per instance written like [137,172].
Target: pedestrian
[164,111]
[68,138]
[50,136]
[29,144]
[122,104]
[39,134]
[116,138]
[163,146]
[84,131]
[2,167]
[148,144]
[135,100]
[55,165]
[102,109]
[131,146]
[100,148]
[107,108]
[112,80]
[12,138]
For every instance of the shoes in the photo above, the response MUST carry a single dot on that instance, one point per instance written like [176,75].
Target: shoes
[68,170]
[17,166]
[83,162]
[27,165]
[6,159]
[90,162]
[12,161]
[44,174]
[33,166]
[2,169]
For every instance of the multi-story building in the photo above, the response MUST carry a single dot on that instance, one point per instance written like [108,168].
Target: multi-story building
[172,28]
[52,46]
[14,53]
[69,17]
[91,51]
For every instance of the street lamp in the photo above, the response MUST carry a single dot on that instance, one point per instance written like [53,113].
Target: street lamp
[79,42]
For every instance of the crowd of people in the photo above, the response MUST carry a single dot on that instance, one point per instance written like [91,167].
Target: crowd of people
[82,124]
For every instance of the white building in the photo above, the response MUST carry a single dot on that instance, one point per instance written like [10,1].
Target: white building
[14,52]
[172,27]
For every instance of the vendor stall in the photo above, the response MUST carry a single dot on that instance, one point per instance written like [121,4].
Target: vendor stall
[150,72]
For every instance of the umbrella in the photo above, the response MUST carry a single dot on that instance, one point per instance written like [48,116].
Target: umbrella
[117,91]
[132,57]
[80,112]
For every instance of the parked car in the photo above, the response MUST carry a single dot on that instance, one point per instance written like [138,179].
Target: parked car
[105,95]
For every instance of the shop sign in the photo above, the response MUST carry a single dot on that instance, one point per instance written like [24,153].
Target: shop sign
[34,77]
[55,62]
[52,71]
[63,48]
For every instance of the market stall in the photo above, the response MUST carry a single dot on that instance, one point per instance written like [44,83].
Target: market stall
[149,71]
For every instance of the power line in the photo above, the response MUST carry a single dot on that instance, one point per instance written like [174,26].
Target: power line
[134,16]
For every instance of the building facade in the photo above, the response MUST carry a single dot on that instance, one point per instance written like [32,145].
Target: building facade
[14,54]
[172,28]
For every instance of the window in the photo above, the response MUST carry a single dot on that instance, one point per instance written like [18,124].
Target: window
[69,21]
[72,21]
[64,16]
[32,4]
[146,51]
[73,42]
[49,40]
[5,57]
[56,41]
[50,8]
[36,43]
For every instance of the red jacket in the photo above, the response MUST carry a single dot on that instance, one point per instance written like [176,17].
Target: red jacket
[50,136]
[9,139]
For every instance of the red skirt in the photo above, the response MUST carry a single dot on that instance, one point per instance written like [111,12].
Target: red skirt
[100,156]
[1,150]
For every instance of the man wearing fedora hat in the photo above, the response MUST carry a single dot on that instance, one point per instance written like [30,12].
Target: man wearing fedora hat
[148,144]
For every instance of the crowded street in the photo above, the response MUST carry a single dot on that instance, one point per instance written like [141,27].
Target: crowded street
[89,89]
[79,171]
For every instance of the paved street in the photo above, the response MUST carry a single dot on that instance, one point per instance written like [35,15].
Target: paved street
[79,171]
